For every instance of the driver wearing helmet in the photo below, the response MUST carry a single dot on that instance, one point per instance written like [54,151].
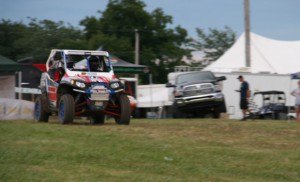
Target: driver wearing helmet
[95,64]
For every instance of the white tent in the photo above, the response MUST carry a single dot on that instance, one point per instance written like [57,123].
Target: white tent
[267,56]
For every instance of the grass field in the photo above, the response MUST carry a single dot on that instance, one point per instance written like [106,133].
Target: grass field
[150,150]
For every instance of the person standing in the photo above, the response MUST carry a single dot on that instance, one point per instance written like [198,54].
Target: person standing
[245,95]
[296,93]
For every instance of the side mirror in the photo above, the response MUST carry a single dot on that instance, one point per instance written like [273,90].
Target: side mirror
[221,78]
[170,85]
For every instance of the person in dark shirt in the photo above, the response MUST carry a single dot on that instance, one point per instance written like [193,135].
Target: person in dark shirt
[245,95]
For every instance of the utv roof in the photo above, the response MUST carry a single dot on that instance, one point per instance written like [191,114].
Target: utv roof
[269,92]
[82,52]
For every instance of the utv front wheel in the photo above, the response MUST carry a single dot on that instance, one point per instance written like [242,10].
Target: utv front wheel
[40,114]
[66,109]
[125,111]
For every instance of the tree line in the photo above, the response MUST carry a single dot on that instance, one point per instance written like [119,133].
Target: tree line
[161,47]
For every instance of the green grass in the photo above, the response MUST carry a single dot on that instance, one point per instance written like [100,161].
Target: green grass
[150,150]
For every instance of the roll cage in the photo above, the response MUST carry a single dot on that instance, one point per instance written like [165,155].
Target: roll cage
[61,61]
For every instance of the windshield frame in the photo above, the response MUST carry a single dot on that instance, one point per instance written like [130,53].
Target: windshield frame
[85,58]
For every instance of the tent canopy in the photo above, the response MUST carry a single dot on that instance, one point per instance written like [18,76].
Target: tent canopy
[8,65]
[267,56]
[121,66]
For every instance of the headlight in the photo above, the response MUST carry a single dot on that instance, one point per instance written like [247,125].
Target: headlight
[178,93]
[114,85]
[80,84]
[219,96]
[218,88]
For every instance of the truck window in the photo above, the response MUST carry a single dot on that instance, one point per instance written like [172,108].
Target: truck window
[195,77]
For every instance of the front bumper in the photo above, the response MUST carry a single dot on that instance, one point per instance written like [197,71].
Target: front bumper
[200,101]
[96,97]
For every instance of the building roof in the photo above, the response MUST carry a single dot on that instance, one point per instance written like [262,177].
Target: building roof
[8,65]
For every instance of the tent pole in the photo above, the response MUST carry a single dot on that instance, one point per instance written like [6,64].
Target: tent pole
[289,99]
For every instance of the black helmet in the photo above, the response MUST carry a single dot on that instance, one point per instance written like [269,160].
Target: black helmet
[94,63]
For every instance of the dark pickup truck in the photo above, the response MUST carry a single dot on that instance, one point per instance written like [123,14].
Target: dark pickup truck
[197,94]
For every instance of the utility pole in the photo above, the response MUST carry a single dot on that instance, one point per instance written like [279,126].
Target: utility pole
[247,33]
[137,58]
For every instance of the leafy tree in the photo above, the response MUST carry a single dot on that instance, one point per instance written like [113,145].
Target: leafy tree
[161,48]
[9,33]
[19,40]
[215,43]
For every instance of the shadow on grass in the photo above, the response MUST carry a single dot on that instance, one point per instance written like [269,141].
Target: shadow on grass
[81,122]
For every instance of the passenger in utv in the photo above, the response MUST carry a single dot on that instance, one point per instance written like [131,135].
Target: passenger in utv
[56,70]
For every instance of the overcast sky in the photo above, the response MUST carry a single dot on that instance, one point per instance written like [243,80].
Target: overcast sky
[277,19]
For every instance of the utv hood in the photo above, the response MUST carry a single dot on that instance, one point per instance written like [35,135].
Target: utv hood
[89,77]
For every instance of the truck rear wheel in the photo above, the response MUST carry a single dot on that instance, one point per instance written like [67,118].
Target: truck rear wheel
[125,111]
[216,113]
[97,118]
[66,109]
[176,112]
[40,113]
